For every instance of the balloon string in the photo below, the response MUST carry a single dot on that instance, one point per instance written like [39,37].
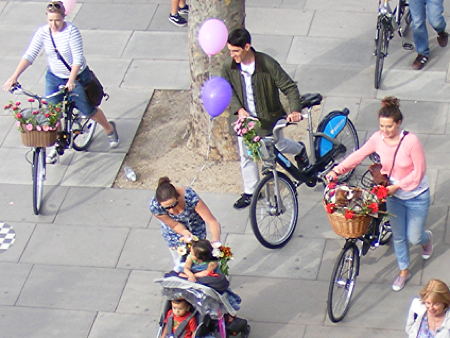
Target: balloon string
[208,149]
[209,67]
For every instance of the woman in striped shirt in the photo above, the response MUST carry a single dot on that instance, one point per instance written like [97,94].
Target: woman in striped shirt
[68,42]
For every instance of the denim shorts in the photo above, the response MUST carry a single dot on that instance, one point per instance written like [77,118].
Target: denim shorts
[52,82]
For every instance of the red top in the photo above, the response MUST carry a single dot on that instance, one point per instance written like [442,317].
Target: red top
[190,328]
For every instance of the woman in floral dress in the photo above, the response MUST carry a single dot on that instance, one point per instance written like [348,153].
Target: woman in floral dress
[182,214]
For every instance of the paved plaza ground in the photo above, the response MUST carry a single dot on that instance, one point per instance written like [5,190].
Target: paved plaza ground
[85,267]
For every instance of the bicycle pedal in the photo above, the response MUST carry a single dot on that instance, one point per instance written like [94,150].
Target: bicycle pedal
[408,46]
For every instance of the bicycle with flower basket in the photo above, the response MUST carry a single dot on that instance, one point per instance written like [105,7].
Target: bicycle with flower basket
[46,125]
[358,215]
[274,206]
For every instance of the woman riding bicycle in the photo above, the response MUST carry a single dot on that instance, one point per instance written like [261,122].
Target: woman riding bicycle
[403,158]
[68,42]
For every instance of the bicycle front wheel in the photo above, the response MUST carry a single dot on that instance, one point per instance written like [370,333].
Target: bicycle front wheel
[382,44]
[343,282]
[38,175]
[274,218]
[83,130]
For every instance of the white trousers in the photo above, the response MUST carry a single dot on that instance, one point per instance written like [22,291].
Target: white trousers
[249,168]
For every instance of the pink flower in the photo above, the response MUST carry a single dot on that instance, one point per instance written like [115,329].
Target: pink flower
[7,106]
[18,123]
[31,100]
[17,103]
[45,127]
[51,128]
[47,115]
[35,112]
[44,102]
[29,127]
[251,125]
[244,130]
[38,128]
[57,125]
[256,139]
[19,115]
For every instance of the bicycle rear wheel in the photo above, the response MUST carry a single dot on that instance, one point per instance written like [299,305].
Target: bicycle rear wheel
[83,130]
[342,283]
[38,176]
[382,44]
[273,221]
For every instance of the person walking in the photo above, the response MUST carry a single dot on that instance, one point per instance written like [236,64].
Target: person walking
[256,79]
[178,7]
[68,41]
[421,10]
[403,160]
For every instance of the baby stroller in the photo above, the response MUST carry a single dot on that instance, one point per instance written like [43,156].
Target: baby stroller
[215,315]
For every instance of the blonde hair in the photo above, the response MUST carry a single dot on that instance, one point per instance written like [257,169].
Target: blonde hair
[437,292]
[56,7]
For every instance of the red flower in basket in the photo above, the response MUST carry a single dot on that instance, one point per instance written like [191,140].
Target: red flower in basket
[330,207]
[373,207]
[380,191]
[349,214]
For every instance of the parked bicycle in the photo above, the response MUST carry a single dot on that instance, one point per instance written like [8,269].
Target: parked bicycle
[274,207]
[77,132]
[388,21]
[346,267]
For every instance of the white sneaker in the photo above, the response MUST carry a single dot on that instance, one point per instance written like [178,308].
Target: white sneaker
[52,156]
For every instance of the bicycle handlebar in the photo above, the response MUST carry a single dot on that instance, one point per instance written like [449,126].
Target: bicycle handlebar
[17,89]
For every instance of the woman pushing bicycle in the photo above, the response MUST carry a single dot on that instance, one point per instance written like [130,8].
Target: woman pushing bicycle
[61,40]
[403,161]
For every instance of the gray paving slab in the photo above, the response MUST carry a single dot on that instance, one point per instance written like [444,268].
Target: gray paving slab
[6,123]
[299,259]
[141,295]
[331,103]
[93,169]
[308,50]
[126,103]
[260,329]
[435,267]
[105,207]
[263,3]
[277,46]
[19,322]
[2,5]
[278,21]
[121,325]
[75,245]
[145,250]
[23,234]
[345,81]
[29,14]
[14,278]
[420,86]
[114,16]
[17,205]
[102,68]
[73,288]
[346,5]
[261,293]
[300,4]
[29,79]
[160,74]
[340,331]
[105,43]
[157,45]
[17,46]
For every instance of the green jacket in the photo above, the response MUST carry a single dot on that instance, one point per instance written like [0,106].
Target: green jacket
[267,80]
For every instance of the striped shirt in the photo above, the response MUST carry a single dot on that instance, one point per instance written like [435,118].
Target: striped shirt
[69,44]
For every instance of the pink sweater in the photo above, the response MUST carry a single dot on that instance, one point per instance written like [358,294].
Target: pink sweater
[410,165]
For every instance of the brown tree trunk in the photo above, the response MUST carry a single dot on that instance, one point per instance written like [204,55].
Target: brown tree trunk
[222,140]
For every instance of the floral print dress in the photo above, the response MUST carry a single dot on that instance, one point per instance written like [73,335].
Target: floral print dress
[189,218]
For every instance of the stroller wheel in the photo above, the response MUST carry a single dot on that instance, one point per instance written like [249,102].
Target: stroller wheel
[246,332]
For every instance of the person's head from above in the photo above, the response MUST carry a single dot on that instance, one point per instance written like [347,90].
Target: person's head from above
[166,194]
[55,15]
[239,44]
[180,307]
[436,297]
[390,117]
[201,250]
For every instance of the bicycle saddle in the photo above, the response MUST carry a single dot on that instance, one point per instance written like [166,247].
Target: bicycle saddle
[309,100]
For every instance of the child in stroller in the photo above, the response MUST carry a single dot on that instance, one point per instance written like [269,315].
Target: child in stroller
[215,316]
[179,321]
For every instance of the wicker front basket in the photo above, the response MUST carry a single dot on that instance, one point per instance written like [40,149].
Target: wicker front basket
[38,138]
[349,228]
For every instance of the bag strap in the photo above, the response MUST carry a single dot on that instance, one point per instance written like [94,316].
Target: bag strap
[58,54]
[182,327]
[396,151]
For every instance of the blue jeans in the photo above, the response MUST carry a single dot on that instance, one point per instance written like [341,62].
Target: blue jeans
[420,11]
[408,224]
[52,82]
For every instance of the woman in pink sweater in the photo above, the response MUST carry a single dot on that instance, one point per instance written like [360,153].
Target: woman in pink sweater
[408,190]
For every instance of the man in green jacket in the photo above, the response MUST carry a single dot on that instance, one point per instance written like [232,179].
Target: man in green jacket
[256,79]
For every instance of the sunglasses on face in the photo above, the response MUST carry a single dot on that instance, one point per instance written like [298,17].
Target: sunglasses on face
[173,205]
[54,5]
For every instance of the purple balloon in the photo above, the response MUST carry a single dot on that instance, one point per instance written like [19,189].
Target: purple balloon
[216,95]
